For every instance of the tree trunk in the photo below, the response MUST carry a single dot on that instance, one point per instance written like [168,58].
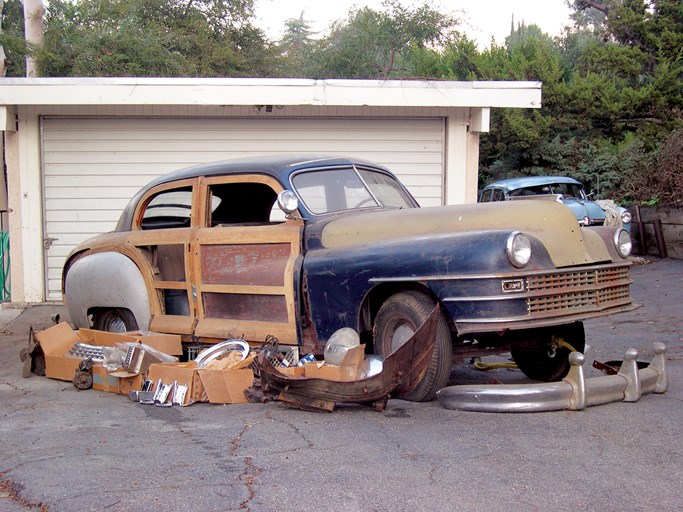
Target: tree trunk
[33,25]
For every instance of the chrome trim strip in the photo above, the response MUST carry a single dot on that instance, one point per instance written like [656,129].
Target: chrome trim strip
[503,275]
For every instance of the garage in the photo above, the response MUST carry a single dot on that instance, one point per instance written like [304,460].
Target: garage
[93,166]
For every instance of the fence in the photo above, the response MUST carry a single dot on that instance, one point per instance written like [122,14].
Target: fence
[662,231]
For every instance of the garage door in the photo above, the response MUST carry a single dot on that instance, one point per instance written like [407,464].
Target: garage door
[93,166]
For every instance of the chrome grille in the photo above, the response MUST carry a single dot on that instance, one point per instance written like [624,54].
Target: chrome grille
[578,290]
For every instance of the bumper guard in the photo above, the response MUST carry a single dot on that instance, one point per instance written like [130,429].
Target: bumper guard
[574,392]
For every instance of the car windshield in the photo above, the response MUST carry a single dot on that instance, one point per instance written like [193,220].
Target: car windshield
[349,188]
[567,190]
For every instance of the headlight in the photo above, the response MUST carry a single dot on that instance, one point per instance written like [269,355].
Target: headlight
[625,217]
[622,241]
[518,249]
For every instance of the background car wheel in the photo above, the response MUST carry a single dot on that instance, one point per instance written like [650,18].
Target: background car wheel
[397,320]
[114,320]
[540,355]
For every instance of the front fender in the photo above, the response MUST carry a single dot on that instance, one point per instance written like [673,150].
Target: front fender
[105,280]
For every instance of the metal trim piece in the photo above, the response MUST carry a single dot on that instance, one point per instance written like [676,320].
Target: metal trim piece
[219,349]
[502,275]
[573,393]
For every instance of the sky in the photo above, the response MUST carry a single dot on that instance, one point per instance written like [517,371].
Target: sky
[483,19]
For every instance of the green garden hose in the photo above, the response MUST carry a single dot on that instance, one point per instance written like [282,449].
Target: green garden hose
[4,266]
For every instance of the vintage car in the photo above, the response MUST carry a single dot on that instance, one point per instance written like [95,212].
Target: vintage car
[297,247]
[562,189]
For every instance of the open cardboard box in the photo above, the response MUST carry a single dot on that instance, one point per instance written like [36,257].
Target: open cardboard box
[182,373]
[170,344]
[345,372]
[58,339]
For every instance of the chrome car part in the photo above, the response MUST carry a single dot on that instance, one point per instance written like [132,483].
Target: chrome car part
[574,392]
[287,201]
[219,349]
[518,249]
[623,243]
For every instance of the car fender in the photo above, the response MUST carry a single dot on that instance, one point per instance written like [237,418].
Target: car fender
[91,282]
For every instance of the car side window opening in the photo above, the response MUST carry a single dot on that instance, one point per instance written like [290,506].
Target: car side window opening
[168,209]
[243,204]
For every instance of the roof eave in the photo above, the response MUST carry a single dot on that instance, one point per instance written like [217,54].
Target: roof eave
[267,91]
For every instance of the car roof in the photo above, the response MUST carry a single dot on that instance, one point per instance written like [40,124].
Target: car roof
[279,167]
[531,181]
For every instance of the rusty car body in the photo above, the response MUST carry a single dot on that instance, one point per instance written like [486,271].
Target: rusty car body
[300,246]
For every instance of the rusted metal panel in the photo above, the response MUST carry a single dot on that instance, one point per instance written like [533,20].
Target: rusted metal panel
[269,308]
[401,370]
[245,264]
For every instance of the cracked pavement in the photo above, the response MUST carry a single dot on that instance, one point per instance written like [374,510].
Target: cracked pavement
[69,450]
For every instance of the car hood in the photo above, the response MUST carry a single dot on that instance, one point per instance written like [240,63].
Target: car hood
[551,223]
[583,209]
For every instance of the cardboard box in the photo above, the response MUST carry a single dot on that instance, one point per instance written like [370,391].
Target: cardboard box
[182,373]
[346,371]
[167,343]
[58,339]
[292,371]
[128,382]
[226,386]
[103,381]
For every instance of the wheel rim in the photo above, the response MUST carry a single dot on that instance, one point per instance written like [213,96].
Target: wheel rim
[116,324]
[401,335]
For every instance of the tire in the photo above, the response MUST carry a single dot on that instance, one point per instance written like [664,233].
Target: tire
[114,320]
[397,320]
[538,355]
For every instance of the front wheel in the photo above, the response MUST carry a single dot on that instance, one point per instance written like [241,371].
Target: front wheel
[397,320]
[114,320]
[543,354]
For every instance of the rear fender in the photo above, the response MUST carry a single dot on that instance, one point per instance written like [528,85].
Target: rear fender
[105,280]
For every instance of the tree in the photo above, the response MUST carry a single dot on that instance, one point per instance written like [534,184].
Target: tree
[12,38]
[379,44]
[153,38]
[296,47]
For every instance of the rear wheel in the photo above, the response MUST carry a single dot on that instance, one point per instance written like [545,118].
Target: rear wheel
[114,320]
[397,320]
[543,354]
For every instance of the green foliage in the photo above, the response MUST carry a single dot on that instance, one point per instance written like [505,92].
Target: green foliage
[381,44]
[152,38]
[12,38]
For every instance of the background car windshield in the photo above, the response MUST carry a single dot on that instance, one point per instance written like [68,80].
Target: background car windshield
[328,191]
[568,190]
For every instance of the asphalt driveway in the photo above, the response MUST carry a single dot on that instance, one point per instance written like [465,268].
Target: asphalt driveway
[67,450]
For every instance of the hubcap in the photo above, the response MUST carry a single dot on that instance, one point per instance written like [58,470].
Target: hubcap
[117,325]
[401,335]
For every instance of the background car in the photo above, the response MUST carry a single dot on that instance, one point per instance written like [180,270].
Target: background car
[564,189]
[296,247]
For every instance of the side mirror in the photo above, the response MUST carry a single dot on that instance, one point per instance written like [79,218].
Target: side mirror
[287,201]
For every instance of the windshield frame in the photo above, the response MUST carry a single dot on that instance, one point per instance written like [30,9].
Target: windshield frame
[369,189]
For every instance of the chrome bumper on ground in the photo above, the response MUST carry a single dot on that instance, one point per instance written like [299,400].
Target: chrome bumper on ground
[574,392]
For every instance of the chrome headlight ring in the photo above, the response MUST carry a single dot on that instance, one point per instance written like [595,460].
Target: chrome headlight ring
[626,217]
[518,249]
[622,242]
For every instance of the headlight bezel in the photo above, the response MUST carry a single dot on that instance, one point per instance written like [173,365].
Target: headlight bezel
[626,217]
[623,243]
[518,248]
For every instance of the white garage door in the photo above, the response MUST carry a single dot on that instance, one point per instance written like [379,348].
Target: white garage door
[93,166]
